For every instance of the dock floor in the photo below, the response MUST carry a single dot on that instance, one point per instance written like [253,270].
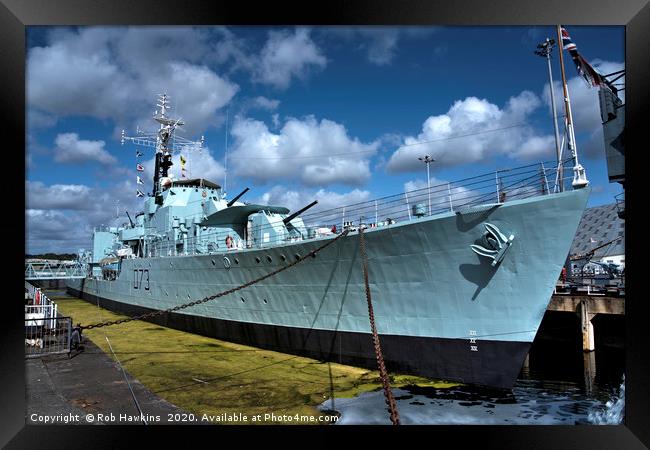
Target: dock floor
[67,390]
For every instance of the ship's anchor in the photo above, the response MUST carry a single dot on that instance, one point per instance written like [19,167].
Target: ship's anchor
[495,239]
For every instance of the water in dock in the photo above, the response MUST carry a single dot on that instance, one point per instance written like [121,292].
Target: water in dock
[560,385]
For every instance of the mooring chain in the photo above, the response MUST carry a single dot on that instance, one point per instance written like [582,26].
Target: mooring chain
[383,374]
[220,294]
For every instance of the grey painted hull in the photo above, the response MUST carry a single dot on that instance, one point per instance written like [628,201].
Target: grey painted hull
[441,310]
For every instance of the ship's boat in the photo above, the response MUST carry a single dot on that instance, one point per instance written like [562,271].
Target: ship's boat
[460,274]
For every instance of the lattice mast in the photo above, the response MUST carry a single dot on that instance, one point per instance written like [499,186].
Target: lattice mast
[166,143]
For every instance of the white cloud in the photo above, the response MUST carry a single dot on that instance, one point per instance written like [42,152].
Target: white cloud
[536,147]
[61,217]
[265,103]
[473,130]
[259,103]
[70,149]
[110,72]
[287,55]
[58,196]
[315,153]
[50,230]
[585,106]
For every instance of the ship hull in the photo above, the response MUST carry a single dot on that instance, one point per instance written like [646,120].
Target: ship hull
[496,365]
[442,311]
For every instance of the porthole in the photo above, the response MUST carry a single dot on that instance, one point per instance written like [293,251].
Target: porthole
[283,258]
[213,262]
[268,258]
[257,259]
[236,261]
[265,302]
[226,262]
[297,256]
[242,299]
[188,296]
[171,264]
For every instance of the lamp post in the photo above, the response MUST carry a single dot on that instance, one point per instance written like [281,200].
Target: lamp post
[544,49]
[428,160]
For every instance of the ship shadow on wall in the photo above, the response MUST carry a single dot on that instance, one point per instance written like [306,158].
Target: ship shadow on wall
[479,274]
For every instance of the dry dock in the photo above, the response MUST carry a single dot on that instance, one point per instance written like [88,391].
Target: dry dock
[202,379]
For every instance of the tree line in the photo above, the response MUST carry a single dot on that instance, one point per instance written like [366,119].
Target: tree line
[58,256]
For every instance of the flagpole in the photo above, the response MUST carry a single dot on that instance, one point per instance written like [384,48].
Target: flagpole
[579,178]
[545,50]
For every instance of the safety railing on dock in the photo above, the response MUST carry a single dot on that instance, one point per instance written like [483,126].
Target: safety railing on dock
[38,305]
[492,188]
[47,337]
[45,331]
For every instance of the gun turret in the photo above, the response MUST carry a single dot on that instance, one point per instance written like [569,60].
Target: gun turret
[232,202]
[288,219]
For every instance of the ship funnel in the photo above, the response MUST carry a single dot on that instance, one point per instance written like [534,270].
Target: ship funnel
[288,219]
[232,202]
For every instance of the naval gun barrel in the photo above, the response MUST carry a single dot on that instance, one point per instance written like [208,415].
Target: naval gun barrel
[288,219]
[232,202]
[127,215]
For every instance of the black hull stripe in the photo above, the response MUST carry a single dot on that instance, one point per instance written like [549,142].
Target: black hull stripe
[496,363]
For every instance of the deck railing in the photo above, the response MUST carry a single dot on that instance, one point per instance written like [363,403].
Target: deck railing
[492,188]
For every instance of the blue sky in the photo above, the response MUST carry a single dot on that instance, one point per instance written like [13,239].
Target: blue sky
[320,112]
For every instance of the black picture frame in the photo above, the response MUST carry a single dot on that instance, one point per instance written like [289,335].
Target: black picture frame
[15,15]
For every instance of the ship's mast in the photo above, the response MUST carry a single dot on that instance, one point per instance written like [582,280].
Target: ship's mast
[163,154]
[579,176]
[164,141]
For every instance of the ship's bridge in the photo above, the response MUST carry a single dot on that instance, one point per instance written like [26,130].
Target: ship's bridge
[196,182]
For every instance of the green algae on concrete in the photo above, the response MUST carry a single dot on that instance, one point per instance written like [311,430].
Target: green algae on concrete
[227,382]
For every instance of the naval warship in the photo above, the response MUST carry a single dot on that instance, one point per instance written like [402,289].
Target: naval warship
[460,274]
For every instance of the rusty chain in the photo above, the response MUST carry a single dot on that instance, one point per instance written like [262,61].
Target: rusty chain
[220,294]
[383,374]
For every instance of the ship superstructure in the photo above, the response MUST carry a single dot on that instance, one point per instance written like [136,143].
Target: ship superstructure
[189,216]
